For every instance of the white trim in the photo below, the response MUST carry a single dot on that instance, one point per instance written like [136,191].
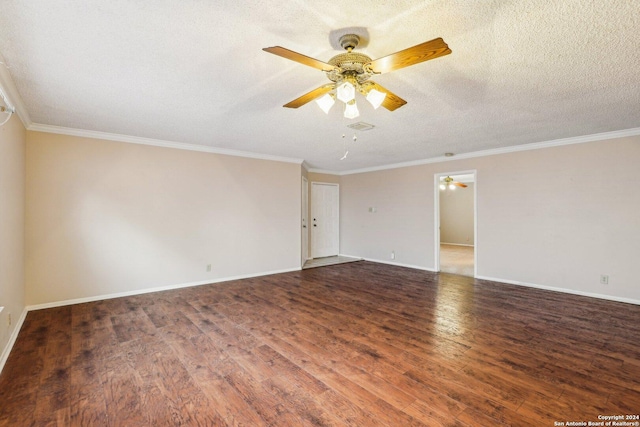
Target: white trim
[304,255]
[6,83]
[562,290]
[397,264]
[158,289]
[36,127]
[351,256]
[494,151]
[325,183]
[325,172]
[475,223]
[12,340]
[436,221]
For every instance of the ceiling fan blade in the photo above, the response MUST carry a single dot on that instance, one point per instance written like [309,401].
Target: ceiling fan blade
[310,96]
[391,101]
[298,57]
[459,184]
[411,56]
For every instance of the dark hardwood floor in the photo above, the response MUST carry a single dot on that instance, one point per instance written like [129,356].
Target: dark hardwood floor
[357,344]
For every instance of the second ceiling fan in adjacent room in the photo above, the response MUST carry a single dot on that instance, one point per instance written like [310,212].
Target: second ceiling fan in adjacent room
[450,183]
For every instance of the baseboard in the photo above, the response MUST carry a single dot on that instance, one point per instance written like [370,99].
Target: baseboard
[12,339]
[351,256]
[562,290]
[150,290]
[397,264]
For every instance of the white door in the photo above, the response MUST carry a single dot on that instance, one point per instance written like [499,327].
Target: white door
[305,220]
[325,224]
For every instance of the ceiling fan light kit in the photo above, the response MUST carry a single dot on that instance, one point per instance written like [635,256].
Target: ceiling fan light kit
[326,102]
[449,186]
[375,97]
[449,183]
[351,110]
[350,73]
[346,92]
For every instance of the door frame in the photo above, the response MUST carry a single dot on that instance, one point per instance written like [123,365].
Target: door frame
[436,185]
[312,255]
[305,220]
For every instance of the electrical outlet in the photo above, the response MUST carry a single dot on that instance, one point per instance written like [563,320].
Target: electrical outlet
[9,319]
[393,254]
[604,279]
[208,267]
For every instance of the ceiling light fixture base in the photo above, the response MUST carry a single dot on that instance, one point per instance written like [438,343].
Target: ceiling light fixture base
[349,41]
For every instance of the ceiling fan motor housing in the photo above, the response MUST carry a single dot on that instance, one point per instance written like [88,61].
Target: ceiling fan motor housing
[349,41]
[349,64]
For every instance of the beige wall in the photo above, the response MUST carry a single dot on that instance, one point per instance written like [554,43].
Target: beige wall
[555,217]
[12,170]
[105,217]
[456,215]
[402,221]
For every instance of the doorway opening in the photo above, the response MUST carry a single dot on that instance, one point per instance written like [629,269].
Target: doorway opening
[455,226]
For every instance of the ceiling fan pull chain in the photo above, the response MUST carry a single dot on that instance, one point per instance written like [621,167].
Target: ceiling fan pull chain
[346,150]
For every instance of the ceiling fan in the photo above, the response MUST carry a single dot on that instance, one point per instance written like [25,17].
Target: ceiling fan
[449,183]
[351,71]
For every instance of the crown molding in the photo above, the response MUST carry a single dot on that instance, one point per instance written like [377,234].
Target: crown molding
[37,127]
[326,172]
[8,88]
[208,149]
[505,150]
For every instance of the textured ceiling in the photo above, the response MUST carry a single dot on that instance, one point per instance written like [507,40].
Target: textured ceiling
[194,72]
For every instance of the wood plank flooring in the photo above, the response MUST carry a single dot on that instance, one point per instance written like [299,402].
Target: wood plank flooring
[357,344]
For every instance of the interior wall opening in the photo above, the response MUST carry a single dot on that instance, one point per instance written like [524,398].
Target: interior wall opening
[456,223]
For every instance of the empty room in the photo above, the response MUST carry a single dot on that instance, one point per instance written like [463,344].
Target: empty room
[406,213]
